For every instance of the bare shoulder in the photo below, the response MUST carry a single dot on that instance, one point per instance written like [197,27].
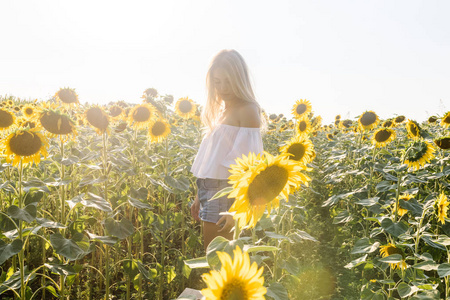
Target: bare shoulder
[249,115]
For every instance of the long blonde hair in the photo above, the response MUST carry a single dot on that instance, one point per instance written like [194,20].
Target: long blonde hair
[237,73]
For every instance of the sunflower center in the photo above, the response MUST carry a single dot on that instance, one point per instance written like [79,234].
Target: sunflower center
[141,114]
[446,120]
[389,250]
[158,128]
[443,143]
[25,143]
[96,118]
[115,111]
[56,123]
[298,150]
[382,135]
[301,108]
[368,118]
[28,111]
[67,96]
[413,129]
[302,126]
[267,185]
[234,290]
[399,119]
[6,119]
[185,106]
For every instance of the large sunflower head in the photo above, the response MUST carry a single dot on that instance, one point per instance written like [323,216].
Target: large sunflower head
[383,136]
[25,145]
[158,130]
[443,142]
[390,249]
[97,118]
[185,108]
[303,126]
[57,123]
[418,154]
[401,211]
[441,207]
[299,149]
[141,115]
[237,279]
[368,120]
[262,187]
[7,119]
[413,129]
[301,108]
[67,96]
[446,120]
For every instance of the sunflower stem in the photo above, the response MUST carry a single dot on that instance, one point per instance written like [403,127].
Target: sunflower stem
[21,253]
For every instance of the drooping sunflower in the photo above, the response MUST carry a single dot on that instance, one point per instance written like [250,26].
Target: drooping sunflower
[419,154]
[29,111]
[441,207]
[401,211]
[413,130]
[443,142]
[368,120]
[57,124]
[346,124]
[303,126]
[399,119]
[120,127]
[97,118]
[301,108]
[445,122]
[116,112]
[185,108]
[26,145]
[141,116]
[272,178]
[7,119]
[237,278]
[299,149]
[432,119]
[158,130]
[390,249]
[383,136]
[67,96]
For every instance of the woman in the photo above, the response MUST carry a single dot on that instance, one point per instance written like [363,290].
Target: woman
[232,119]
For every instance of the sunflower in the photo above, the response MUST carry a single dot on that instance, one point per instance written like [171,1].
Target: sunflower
[158,130]
[56,123]
[445,122]
[432,119]
[7,119]
[25,145]
[388,123]
[17,108]
[141,115]
[336,122]
[185,108]
[418,154]
[330,137]
[272,178]
[116,112]
[236,279]
[368,120]
[29,111]
[383,136]
[443,143]
[401,211]
[243,165]
[300,149]
[399,119]
[346,124]
[121,127]
[273,117]
[97,118]
[304,126]
[150,92]
[441,206]
[338,117]
[413,130]
[390,249]
[67,96]
[23,123]
[301,108]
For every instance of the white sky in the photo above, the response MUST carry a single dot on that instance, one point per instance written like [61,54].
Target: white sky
[344,56]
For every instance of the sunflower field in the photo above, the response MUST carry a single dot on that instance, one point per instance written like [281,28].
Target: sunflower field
[95,204]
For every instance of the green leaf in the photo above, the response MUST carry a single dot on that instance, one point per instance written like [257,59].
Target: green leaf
[49,224]
[180,183]
[392,259]
[63,270]
[33,197]
[443,270]
[108,240]
[222,192]
[9,250]
[52,290]
[300,235]
[91,200]
[67,248]
[251,248]
[342,217]
[385,186]
[138,204]
[14,281]
[364,246]
[427,265]
[274,235]
[392,228]
[368,202]
[121,229]
[412,205]
[28,214]
[356,262]
[196,263]
[220,243]
[277,291]
[404,290]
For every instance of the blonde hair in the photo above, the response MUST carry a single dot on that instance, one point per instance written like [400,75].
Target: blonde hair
[237,72]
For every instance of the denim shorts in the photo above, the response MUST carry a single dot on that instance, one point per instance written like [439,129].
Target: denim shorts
[210,210]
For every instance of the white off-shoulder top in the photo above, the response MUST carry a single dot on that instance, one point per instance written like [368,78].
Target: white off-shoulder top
[221,147]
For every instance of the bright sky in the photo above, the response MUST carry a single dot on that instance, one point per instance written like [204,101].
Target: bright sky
[392,57]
